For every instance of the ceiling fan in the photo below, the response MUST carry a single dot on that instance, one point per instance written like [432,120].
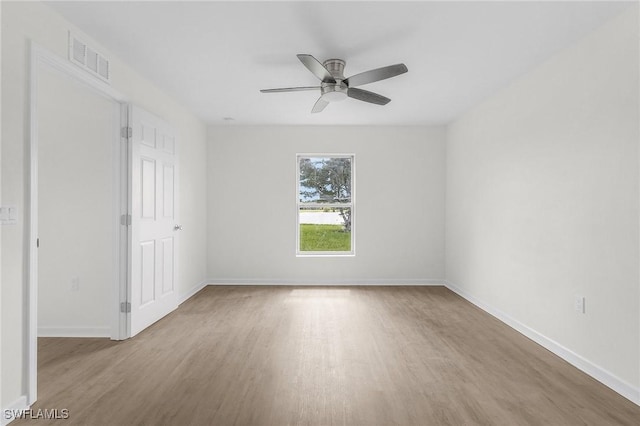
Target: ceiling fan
[335,87]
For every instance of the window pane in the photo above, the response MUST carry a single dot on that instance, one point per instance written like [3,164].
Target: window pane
[325,180]
[327,229]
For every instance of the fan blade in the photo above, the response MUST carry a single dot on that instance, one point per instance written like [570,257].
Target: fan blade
[290,89]
[376,75]
[316,68]
[320,105]
[365,95]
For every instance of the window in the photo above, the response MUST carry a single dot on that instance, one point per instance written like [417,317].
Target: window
[325,225]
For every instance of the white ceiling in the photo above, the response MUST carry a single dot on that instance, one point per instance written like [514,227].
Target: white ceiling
[213,57]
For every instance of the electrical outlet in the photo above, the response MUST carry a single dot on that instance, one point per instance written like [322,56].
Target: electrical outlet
[75,284]
[579,304]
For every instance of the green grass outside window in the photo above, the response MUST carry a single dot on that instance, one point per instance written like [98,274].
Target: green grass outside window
[324,238]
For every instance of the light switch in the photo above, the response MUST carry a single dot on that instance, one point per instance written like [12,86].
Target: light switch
[9,215]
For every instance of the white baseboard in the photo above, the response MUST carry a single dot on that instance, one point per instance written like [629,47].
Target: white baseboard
[189,294]
[9,413]
[74,332]
[325,282]
[620,386]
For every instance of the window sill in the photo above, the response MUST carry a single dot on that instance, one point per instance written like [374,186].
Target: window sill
[324,254]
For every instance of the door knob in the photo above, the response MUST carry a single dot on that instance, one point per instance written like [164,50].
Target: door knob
[177,228]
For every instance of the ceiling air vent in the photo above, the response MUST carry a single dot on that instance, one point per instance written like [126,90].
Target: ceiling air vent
[88,59]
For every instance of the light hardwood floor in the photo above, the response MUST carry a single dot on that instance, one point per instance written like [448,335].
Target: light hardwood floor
[322,356]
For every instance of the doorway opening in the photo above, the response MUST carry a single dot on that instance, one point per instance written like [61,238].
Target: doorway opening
[77,191]
[102,211]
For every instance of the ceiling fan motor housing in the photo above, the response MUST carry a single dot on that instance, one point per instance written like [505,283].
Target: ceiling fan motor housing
[334,91]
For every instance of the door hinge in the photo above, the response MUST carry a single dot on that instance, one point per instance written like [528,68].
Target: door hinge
[125,220]
[37,242]
[126,132]
[125,307]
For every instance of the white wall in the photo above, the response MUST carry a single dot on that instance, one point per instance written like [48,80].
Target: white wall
[78,138]
[399,211]
[542,201]
[22,21]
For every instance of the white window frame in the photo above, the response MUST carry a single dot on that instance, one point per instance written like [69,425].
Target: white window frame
[350,205]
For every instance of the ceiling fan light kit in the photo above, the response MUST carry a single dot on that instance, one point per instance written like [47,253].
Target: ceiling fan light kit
[335,87]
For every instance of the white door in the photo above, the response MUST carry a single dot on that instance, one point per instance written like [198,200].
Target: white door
[152,292]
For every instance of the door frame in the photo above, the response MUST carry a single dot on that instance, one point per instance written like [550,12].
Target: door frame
[42,58]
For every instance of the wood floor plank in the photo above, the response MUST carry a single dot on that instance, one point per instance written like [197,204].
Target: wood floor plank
[283,355]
